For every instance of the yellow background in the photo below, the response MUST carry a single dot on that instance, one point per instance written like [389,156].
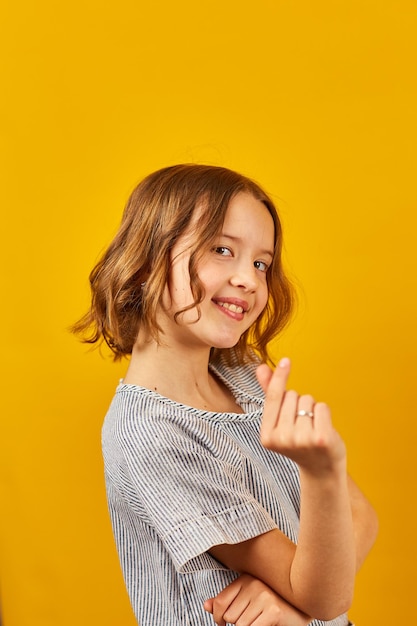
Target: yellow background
[315,100]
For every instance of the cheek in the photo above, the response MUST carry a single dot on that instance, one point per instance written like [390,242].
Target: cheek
[263,296]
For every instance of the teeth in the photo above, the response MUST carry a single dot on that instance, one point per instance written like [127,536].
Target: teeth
[231,307]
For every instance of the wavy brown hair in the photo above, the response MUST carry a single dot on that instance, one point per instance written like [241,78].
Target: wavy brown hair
[156,215]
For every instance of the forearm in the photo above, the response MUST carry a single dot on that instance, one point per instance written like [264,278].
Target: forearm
[323,569]
[316,576]
[338,527]
[248,600]
[365,522]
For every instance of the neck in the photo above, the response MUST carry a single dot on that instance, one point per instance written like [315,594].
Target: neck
[172,371]
[181,374]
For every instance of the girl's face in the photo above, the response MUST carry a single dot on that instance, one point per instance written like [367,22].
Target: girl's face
[233,275]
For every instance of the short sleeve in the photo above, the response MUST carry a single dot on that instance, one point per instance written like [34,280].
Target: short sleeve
[185,478]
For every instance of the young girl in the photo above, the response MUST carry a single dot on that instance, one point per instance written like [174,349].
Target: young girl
[228,494]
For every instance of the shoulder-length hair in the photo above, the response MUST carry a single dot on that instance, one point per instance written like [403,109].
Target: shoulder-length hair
[128,282]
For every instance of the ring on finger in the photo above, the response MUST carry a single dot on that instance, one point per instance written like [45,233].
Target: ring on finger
[303,413]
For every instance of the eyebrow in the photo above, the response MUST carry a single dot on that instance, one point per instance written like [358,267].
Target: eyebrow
[238,239]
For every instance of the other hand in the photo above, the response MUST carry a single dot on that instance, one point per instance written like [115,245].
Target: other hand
[249,602]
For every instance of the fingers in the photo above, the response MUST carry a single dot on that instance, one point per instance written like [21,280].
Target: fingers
[274,384]
[305,407]
[322,415]
[241,602]
[241,606]
[247,601]
[296,426]
[305,415]
[219,605]
[264,375]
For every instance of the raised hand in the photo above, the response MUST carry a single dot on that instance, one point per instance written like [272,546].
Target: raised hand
[250,602]
[298,427]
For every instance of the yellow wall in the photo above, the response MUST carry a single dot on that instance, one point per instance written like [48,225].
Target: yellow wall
[317,101]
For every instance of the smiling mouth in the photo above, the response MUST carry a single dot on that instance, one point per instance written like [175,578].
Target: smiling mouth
[231,307]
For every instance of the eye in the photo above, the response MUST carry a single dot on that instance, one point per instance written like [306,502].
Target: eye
[222,250]
[261,266]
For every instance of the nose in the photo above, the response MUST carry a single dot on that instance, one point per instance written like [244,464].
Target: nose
[245,277]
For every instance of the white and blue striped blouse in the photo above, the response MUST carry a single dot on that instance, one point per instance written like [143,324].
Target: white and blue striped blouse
[180,480]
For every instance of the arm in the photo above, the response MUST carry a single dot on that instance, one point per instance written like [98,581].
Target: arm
[317,575]
[365,522]
[251,601]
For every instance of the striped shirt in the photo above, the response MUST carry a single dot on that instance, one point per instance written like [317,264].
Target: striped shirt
[181,480]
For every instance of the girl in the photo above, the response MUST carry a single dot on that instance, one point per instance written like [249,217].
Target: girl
[228,494]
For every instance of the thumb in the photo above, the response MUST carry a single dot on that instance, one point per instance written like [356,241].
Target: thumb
[264,375]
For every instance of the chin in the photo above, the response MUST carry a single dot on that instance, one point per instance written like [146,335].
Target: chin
[226,344]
